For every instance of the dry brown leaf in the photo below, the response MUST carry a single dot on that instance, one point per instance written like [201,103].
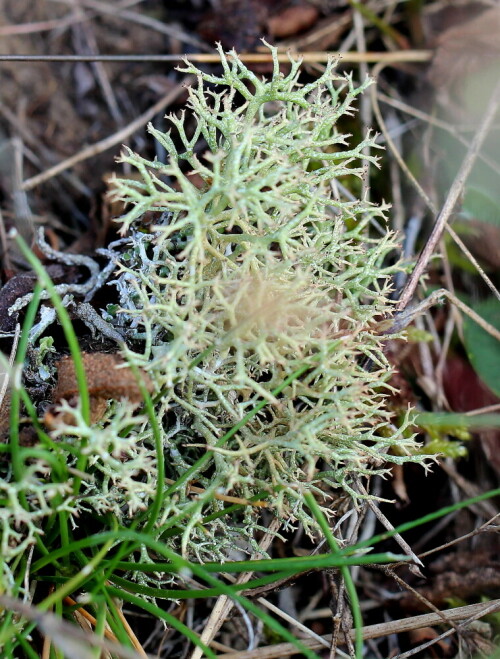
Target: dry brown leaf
[292,20]
[105,381]
[469,48]
[466,392]
[104,378]
[442,648]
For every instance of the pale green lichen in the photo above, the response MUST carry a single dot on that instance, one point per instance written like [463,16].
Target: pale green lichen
[256,272]
[259,272]
[121,469]
[25,507]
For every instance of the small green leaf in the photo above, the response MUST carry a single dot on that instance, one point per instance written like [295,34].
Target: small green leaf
[482,204]
[483,349]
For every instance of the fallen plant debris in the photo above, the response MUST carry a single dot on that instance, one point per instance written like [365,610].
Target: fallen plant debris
[17,287]
[108,378]
[469,48]
[246,295]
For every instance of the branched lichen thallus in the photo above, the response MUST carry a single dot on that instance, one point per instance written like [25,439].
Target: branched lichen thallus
[253,301]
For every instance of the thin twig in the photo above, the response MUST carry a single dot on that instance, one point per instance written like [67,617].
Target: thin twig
[373,631]
[492,608]
[213,58]
[485,508]
[405,317]
[85,30]
[387,525]
[389,141]
[398,211]
[421,192]
[451,129]
[295,623]
[423,600]
[474,262]
[484,528]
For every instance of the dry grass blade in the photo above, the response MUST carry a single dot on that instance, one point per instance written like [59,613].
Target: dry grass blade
[89,618]
[6,373]
[84,34]
[41,26]
[375,631]
[439,123]
[172,31]
[491,608]
[453,195]
[72,641]
[474,261]
[419,597]
[162,30]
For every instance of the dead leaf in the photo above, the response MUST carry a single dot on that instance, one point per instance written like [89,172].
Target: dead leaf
[105,381]
[292,20]
[464,52]
[465,392]
[20,285]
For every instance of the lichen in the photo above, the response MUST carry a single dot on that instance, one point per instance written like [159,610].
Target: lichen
[260,287]
[260,270]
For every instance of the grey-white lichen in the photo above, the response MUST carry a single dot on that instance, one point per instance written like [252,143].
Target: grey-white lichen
[255,270]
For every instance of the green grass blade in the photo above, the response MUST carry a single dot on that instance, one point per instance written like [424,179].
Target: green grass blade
[344,571]
[66,324]
[15,401]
